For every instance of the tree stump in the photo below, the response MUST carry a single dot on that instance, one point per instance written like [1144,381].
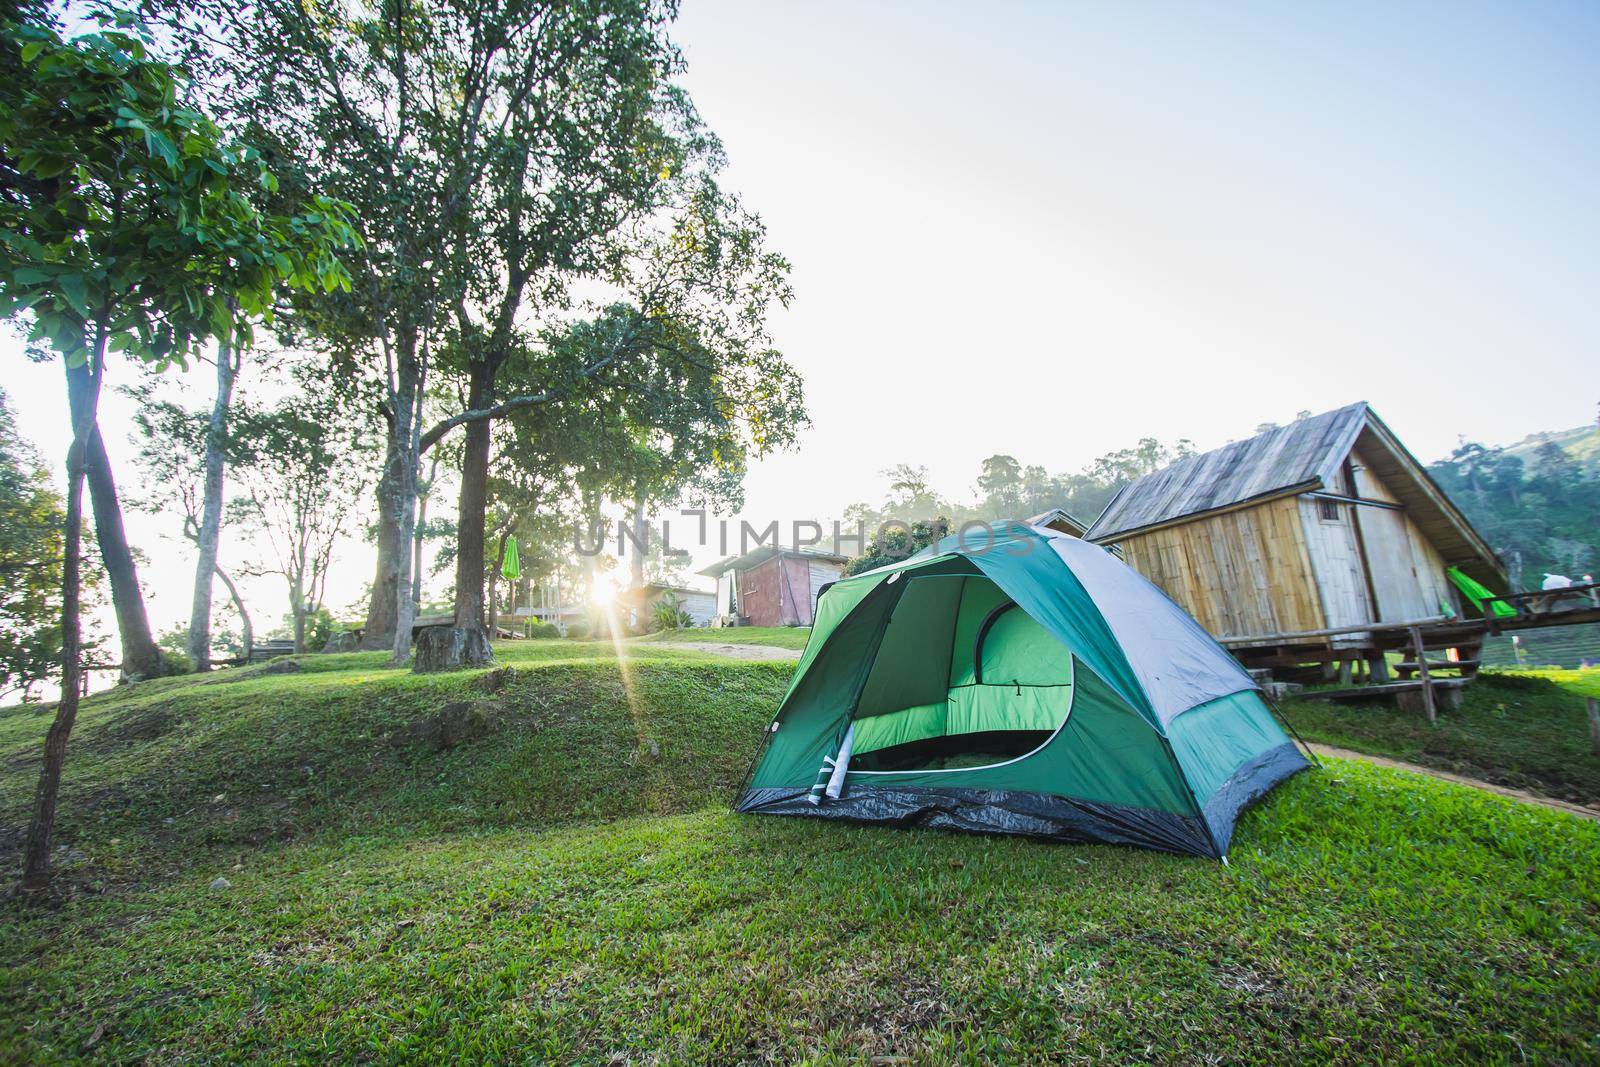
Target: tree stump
[450,648]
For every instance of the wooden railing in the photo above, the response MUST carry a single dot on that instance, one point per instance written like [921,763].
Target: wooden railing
[1544,601]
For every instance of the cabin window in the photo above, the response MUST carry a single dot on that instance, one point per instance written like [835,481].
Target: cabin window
[1327,510]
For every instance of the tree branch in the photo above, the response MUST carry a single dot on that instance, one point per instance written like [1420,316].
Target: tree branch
[507,406]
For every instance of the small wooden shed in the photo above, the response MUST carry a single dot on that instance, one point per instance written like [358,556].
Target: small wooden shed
[1061,521]
[773,586]
[1325,523]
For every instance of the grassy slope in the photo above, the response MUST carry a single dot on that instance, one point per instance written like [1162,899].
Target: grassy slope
[1524,730]
[409,900]
[777,636]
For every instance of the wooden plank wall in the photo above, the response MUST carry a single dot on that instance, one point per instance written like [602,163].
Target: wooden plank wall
[1336,561]
[1241,572]
[1407,570]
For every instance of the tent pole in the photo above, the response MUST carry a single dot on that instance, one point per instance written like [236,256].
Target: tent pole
[766,739]
[749,772]
[1277,713]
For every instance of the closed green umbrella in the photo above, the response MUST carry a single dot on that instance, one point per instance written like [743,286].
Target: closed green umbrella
[512,567]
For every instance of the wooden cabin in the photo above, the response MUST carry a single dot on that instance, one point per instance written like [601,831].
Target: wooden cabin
[1323,524]
[773,586]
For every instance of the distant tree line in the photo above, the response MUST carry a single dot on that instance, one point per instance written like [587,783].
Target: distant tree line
[1539,510]
[914,514]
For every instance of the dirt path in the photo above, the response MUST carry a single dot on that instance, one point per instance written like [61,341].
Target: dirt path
[731,650]
[1476,783]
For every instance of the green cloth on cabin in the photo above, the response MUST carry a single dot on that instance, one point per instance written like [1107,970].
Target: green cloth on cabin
[1479,594]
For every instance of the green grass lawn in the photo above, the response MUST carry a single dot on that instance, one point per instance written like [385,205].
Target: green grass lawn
[776,636]
[537,864]
[1528,730]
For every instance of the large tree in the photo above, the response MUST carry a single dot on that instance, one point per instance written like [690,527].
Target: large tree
[381,104]
[126,223]
[499,155]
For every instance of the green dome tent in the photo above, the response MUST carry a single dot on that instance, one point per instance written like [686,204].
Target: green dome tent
[1011,679]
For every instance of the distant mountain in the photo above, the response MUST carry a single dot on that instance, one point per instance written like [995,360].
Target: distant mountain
[1581,443]
[1537,502]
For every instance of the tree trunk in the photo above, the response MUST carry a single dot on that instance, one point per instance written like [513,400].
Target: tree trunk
[448,648]
[211,511]
[494,606]
[140,656]
[416,557]
[84,403]
[494,589]
[470,515]
[380,626]
[408,403]
[249,635]
[299,608]
[641,538]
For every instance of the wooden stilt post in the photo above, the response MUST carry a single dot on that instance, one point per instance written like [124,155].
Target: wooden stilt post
[1594,724]
[1422,673]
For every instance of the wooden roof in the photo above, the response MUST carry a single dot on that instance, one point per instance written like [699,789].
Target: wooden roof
[1301,456]
[1060,520]
[1438,519]
[766,552]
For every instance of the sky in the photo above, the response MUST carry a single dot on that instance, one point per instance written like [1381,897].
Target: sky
[1052,229]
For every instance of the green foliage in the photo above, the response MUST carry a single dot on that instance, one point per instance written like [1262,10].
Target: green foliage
[319,626]
[589,895]
[895,541]
[578,630]
[1537,505]
[174,645]
[31,522]
[129,216]
[543,631]
[668,614]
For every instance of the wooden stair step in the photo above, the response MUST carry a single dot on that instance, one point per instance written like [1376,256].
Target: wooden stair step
[1441,665]
[1381,689]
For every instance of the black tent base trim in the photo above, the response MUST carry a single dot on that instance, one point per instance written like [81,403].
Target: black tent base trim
[1253,780]
[995,811]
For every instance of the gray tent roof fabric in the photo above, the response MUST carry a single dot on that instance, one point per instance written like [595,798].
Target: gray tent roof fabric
[1178,664]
